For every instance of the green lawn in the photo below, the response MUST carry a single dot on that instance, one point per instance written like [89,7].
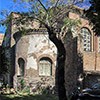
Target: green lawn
[28,97]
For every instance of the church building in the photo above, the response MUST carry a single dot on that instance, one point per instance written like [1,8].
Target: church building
[33,56]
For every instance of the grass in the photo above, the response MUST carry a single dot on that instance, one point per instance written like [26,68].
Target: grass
[28,97]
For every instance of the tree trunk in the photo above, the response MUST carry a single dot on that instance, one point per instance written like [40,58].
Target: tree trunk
[60,74]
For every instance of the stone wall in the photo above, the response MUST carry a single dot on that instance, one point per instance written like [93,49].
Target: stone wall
[31,48]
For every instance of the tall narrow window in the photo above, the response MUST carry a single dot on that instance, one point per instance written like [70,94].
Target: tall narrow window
[21,63]
[45,67]
[86,35]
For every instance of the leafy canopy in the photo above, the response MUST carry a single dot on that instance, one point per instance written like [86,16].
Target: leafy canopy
[94,11]
[51,13]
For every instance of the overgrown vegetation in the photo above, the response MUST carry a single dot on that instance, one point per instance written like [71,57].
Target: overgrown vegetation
[7,93]
[94,11]
[52,15]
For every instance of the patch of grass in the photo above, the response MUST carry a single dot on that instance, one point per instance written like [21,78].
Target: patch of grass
[28,97]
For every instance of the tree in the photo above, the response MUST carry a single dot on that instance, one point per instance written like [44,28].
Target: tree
[3,64]
[94,11]
[53,15]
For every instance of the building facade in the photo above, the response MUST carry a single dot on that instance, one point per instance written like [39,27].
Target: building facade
[35,59]
[83,54]
[33,55]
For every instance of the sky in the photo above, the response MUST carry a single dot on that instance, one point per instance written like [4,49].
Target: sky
[14,7]
[9,6]
[5,5]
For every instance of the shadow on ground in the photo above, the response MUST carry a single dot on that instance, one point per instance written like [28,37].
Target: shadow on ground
[28,97]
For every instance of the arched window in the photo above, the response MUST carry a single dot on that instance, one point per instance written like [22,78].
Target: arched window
[45,67]
[21,63]
[86,35]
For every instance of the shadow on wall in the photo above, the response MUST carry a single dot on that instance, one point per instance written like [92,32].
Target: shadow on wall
[12,70]
[17,36]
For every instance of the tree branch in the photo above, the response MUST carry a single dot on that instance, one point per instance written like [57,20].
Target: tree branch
[42,5]
[56,3]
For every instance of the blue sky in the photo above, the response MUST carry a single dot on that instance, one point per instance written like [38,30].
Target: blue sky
[5,5]
[12,7]
[9,6]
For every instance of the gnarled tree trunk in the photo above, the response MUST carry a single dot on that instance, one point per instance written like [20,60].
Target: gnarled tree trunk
[61,56]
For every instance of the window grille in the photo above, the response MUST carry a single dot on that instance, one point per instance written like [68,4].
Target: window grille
[86,39]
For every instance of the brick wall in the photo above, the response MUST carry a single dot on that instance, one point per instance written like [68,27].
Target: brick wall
[91,61]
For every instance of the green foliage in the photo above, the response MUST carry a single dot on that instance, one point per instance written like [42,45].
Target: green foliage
[94,11]
[49,12]
[21,84]
[70,22]
[26,90]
